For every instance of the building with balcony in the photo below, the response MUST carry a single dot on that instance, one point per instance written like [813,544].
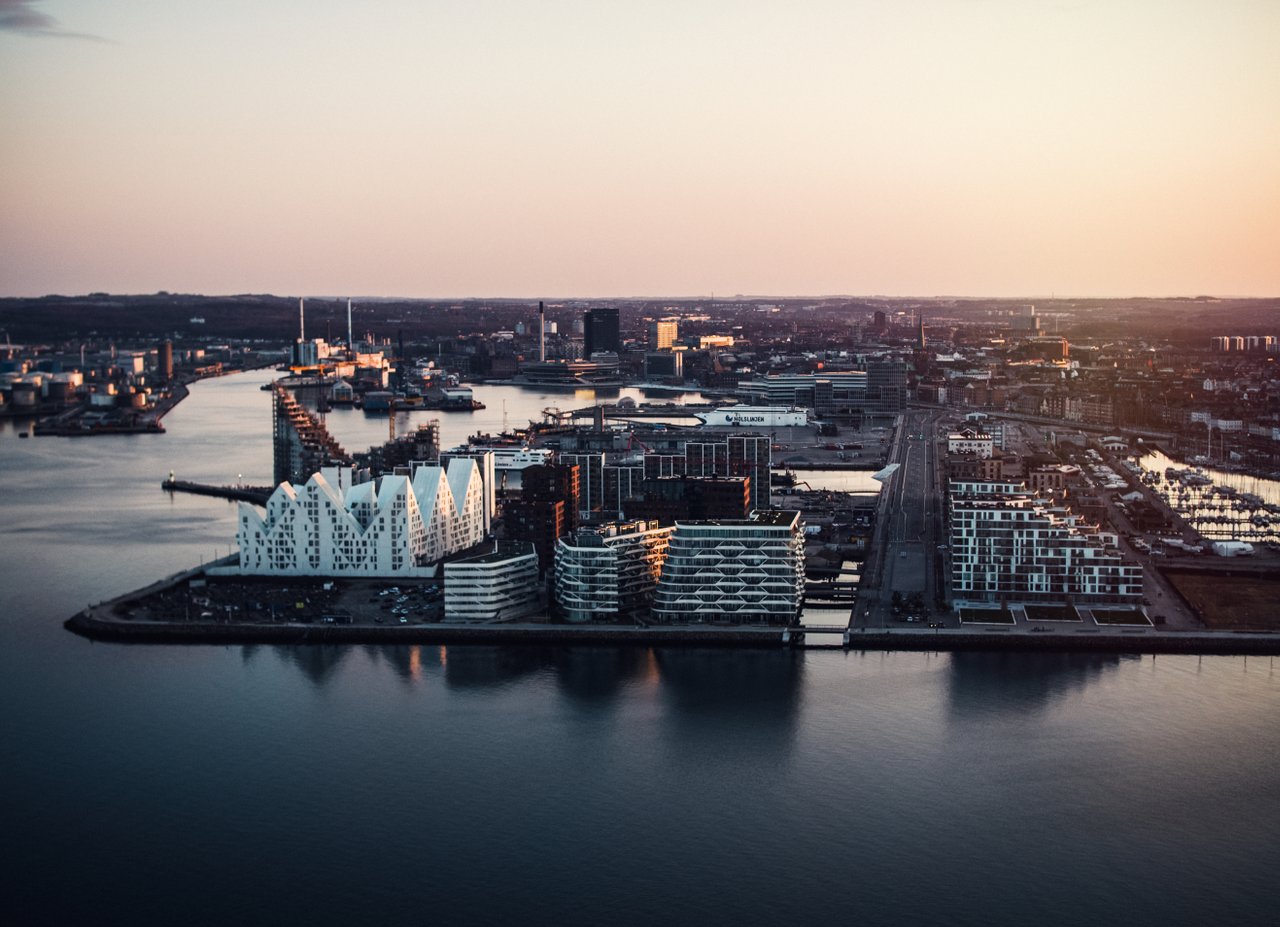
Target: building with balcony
[499,585]
[747,571]
[609,573]
[1009,544]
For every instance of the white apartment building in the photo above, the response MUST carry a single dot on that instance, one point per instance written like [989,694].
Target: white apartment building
[501,585]
[744,571]
[970,441]
[397,526]
[1009,544]
[604,574]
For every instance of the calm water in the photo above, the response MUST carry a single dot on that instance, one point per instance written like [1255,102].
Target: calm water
[384,785]
[1217,514]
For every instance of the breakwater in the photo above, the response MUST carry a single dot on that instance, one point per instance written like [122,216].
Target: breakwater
[258,495]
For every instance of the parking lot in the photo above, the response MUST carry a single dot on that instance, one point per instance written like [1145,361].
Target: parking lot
[295,600]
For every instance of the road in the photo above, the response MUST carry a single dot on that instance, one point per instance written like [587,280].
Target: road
[904,547]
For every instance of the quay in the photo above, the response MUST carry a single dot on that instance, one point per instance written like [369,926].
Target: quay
[92,624]
[116,621]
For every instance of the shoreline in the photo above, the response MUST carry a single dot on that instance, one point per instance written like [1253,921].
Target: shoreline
[90,624]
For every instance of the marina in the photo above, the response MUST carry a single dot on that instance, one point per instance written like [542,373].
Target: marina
[1220,505]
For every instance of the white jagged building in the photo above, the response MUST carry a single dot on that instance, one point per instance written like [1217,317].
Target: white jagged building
[396,526]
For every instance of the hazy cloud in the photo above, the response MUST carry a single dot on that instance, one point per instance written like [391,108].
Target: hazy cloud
[21,16]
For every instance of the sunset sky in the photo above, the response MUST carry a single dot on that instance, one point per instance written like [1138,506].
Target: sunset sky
[670,147]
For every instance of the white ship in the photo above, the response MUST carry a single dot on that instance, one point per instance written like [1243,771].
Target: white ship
[755,417]
[507,456]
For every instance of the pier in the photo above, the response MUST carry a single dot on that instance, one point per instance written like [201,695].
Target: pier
[258,495]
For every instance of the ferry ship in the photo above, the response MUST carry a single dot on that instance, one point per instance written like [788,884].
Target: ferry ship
[755,417]
[507,456]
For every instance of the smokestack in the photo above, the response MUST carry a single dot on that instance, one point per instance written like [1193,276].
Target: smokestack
[302,327]
[351,345]
[542,333]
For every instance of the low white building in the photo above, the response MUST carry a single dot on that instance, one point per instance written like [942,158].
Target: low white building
[397,526]
[500,585]
[970,441]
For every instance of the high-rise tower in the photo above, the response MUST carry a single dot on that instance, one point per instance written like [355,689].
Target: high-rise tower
[600,331]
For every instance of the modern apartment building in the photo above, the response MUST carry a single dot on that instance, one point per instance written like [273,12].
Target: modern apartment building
[748,571]
[828,392]
[395,526]
[662,334]
[734,455]
[1007,543]
[609,573]
[500,585]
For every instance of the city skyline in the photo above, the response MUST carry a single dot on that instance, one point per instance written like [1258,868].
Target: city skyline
[449,150]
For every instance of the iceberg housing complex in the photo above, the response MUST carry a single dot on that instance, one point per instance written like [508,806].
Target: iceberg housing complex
[397,526]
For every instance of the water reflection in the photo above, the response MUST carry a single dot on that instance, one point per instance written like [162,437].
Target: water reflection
[594,674]
[735,687]
[409,663]
[1218,504]
[717,701]
[318,662]
[1021,683]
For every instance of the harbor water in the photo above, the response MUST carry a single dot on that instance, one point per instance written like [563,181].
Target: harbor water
[1220,505]
[558,785]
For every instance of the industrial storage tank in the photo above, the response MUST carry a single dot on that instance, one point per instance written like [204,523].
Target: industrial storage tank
[61,388]
[26,395]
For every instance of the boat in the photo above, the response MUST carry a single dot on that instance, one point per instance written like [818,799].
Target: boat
[509,457]
[755,417]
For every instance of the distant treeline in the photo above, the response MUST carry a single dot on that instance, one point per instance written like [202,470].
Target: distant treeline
[275,318]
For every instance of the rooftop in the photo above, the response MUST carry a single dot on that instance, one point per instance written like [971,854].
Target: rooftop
[503,550]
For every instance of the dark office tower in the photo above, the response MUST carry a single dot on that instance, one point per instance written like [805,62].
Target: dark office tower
[620,484]
[590,480]
[681,498]
[546,510]
[750,456]
[164,360]
[886,388]
[879,322]
[600,331]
